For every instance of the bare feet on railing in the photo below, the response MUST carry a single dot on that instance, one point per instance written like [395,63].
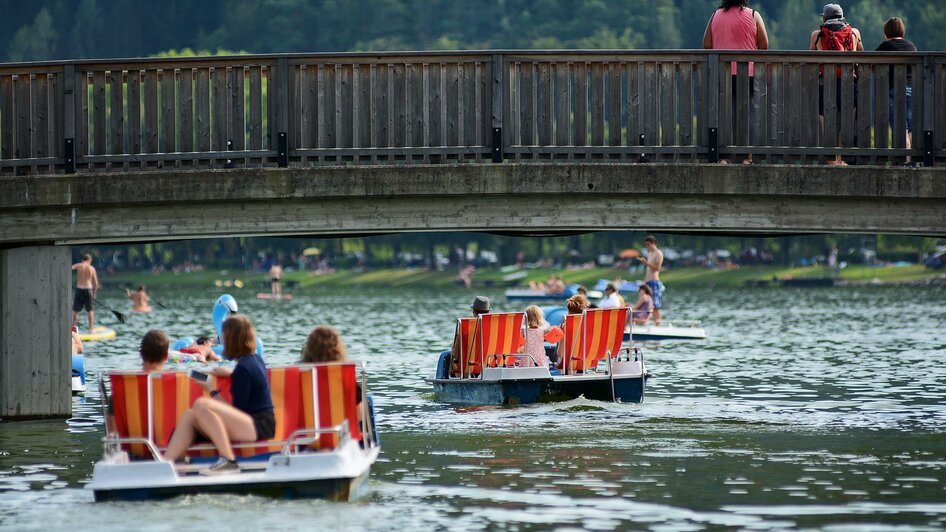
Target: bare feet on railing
[836,162]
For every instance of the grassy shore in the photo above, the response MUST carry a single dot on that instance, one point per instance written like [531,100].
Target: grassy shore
[493,277]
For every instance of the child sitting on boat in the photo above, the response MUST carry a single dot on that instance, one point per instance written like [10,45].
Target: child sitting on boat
[250,417]
[644,306]
[325,344]
[154,350]
[535,338]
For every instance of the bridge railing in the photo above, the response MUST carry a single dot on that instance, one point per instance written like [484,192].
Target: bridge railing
[403,108]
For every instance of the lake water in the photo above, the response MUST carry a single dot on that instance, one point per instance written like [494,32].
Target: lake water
[805,408]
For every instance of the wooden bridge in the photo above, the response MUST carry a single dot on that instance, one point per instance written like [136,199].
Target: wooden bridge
[512,141]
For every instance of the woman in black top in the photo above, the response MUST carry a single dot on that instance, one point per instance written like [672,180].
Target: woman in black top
[894,30]
[249,418]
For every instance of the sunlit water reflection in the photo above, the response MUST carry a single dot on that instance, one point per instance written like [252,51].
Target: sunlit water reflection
[804,408]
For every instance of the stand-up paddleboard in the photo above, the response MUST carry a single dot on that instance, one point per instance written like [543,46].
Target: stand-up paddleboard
[99,333]
[283,297]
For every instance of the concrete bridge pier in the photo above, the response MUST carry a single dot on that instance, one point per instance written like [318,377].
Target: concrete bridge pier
[35,340]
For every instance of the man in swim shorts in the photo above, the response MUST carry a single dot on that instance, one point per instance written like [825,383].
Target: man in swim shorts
[87,282]
[653,263]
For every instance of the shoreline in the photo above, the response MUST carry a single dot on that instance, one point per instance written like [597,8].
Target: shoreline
[493,278]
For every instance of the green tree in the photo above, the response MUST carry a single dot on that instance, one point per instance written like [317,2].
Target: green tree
[35,42]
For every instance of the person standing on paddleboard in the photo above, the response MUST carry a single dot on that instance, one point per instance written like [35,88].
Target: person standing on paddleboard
[87,282]
[654,263]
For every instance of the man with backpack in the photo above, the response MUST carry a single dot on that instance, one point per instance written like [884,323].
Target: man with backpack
[835,34]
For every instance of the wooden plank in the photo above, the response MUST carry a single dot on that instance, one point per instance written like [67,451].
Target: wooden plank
[543,104]
[793,106]
[40,112]
[134,111]
[7,150]
[343,105]
[218,106]
[668,100]
[468,105]
[848,114]
[451,107]
[741,112]
[597,104]
[399,116]
[899,119]
[461,104]
[919,99]
[308,99]
[699,96]
[514,113]
[116,112]
[254,125]
[150,125]
[480,105]
[202,99]
[634,119]
[270,104]
[650,104]
[881,111]
[56,115]
[830,107]
[615,129]
[866,83]
[236,98]
[384,106]
[185,110]
[580,120]
[811,124]
[168,134]
[23,149]
[99,113]
[293,119]
[82,113]
[759,106]
[415,104]
[437,110]
[562,104]
[527,109]
[361,85]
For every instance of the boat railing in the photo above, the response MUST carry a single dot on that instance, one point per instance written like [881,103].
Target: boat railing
[305,437]
[112,444]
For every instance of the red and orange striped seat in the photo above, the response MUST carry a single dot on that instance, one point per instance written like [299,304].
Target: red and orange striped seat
[590,336]
[499,335]
[462,363]
[304,397]
[571,345]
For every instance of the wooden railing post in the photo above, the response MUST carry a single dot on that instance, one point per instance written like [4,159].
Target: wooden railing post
[69,118]
[712,107]
[929,124]
[282,111]
[498,97]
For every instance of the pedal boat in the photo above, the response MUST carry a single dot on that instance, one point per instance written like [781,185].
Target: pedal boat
[320,450]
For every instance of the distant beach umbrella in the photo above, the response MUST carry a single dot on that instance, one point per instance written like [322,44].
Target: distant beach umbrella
[629,254]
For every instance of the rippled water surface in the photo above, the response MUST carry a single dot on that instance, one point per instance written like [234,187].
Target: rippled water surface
[805,408]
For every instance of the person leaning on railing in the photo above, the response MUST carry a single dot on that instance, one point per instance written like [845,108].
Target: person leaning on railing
[894,30]
[734,26]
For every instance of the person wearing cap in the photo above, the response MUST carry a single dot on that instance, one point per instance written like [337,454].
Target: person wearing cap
[480,306]
[834,24]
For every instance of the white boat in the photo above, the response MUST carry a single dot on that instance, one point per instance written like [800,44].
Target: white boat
[667,330]
[322,450]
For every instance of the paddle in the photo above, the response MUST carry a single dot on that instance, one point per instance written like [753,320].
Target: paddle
[158,303]
[118,315]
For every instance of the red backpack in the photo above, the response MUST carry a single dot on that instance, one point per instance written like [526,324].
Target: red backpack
[837,35]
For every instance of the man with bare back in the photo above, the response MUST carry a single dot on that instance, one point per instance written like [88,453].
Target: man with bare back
[87,282]
[653,264]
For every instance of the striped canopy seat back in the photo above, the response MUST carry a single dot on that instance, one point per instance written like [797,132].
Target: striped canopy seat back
[462,363]
[571,345]
[174,392]
[602,333]
[330,396]
[499,335]
[130,410]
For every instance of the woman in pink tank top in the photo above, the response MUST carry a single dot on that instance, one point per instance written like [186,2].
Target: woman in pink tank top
[736,27]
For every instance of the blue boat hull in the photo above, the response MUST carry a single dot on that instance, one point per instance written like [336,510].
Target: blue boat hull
[626,389]
[475,392]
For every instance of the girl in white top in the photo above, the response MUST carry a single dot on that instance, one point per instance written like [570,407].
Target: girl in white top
[535,337]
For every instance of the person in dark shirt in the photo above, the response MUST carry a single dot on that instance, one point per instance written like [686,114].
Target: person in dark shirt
[894,30]
[249,418]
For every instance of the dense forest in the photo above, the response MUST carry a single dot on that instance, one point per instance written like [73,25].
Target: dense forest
[63,29]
